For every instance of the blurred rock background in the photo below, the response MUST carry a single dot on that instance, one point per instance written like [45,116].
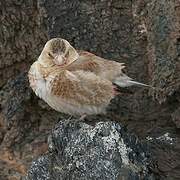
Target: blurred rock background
[145,34]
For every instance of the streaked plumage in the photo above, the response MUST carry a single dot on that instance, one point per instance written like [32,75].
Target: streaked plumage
[75,82]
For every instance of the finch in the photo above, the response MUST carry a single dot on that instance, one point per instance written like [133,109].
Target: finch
[76,82]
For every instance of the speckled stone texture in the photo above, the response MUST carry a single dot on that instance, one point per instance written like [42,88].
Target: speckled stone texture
[80,151]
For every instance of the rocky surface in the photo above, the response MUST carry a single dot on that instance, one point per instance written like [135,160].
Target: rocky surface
[142,33]
[24,128]
[22,32]
[80,151]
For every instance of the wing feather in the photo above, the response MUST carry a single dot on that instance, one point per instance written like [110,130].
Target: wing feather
[82,87]
[104,68]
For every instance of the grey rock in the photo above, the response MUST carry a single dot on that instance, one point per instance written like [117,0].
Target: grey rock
[81,151]
[12,98]
[143,33]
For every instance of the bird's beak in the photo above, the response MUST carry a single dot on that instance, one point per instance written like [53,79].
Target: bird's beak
[60,60]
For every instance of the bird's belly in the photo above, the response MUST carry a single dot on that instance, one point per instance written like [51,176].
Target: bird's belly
[73,108]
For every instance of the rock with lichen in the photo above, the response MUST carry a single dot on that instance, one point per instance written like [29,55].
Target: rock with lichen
[80,151]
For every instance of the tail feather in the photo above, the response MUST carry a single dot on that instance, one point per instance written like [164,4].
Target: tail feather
[131,82]
[125,81]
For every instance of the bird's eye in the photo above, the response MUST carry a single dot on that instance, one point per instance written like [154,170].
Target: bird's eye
[50,55]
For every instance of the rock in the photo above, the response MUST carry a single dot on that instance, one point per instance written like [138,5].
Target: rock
[12,97]
[162,25]
[23,32]
[81,151]
[24,127]
[143,34]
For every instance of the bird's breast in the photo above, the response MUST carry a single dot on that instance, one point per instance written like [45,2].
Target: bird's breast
[39,86]
[38,83]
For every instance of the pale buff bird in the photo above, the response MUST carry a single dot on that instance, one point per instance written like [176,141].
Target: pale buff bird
[76,82]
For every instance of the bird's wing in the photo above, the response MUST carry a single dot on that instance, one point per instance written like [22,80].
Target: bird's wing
[103,68]
[82,87]
[106,69]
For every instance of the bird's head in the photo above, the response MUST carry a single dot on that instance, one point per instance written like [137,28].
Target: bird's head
[58,52]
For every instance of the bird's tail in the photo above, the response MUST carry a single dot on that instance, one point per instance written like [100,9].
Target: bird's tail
[125,81]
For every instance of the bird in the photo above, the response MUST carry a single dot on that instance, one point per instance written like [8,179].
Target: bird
[76,82]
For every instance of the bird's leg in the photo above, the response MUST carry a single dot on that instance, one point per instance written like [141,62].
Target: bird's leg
[82,117]
[115,91]
[70,117]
